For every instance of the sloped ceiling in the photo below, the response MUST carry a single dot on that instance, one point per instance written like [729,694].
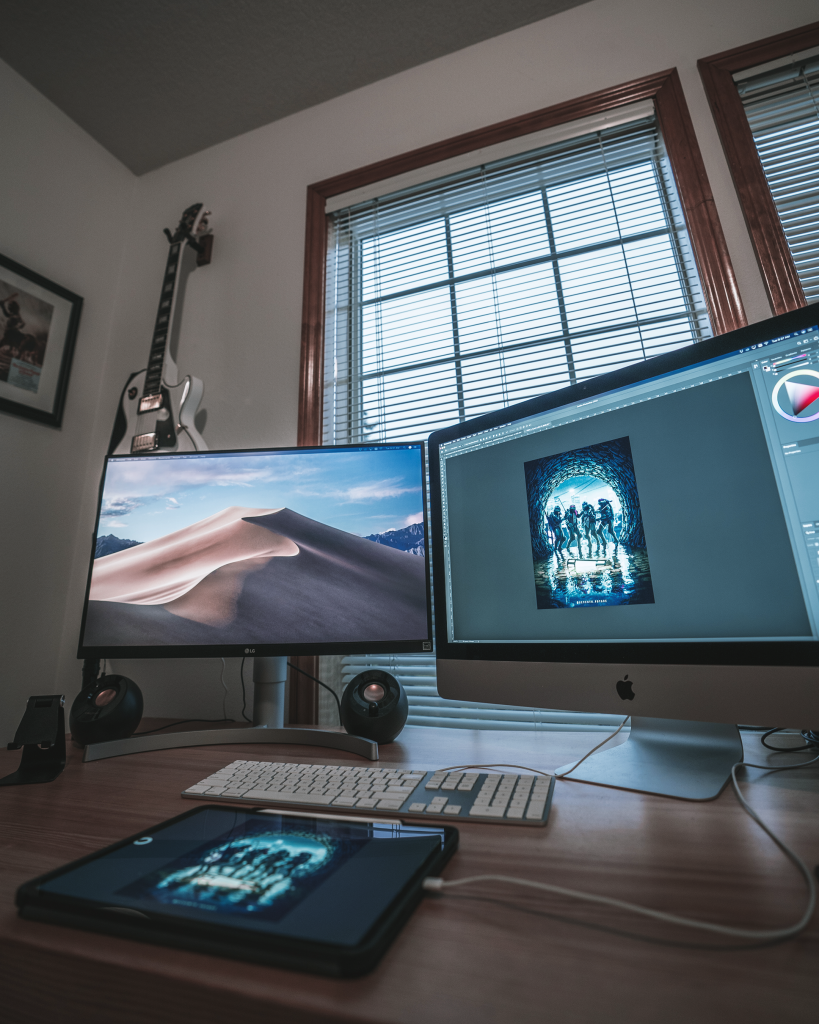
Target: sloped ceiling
[156,80]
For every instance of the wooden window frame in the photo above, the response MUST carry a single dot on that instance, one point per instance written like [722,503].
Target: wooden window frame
[714,265]
[770,244]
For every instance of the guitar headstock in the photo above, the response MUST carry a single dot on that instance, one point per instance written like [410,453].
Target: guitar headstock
[200,225]
[188,224]
[193,228]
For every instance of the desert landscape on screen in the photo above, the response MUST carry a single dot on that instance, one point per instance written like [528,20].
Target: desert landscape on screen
[247,574]
[256,576]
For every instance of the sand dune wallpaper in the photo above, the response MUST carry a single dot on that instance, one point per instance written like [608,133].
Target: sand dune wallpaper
[322,546]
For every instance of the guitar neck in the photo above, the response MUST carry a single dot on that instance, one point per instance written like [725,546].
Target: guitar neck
[151,394]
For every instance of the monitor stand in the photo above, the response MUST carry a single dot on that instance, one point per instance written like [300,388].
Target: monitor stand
[269,681]
[689,760]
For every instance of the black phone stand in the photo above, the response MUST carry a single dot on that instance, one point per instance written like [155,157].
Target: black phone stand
[41,734]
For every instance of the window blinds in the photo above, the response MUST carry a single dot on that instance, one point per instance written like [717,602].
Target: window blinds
[493,285]
[416,673]
[782,106]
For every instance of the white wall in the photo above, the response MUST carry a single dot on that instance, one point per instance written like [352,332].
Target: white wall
[242,315]
[65,207]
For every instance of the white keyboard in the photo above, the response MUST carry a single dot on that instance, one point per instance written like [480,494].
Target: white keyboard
[509,799]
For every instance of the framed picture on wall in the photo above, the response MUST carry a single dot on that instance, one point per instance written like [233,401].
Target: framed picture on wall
[38,327]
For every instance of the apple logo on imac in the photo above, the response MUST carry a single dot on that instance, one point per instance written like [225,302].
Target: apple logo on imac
[624,688]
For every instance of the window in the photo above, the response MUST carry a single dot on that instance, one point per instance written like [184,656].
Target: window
[494,285]
[765,101]
[468,291]
[782,107]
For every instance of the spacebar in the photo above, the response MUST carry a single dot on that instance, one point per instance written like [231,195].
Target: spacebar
[290,798]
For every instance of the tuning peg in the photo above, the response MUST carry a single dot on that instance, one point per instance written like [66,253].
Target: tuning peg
[168,235]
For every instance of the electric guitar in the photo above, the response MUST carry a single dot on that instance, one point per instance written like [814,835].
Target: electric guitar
[157,409]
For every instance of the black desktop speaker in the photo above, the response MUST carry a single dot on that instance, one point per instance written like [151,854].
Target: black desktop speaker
[110,708]
[374,705]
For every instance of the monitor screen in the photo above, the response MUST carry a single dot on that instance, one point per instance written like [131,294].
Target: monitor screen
[266,552]
[665,514]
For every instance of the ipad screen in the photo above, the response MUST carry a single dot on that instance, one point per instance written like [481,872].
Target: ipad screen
[307,878]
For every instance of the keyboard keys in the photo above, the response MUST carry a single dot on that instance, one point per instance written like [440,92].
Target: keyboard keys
[315,799]
[491,796]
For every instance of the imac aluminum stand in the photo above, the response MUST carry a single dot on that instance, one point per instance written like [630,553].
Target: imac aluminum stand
[269,679]
[689,760]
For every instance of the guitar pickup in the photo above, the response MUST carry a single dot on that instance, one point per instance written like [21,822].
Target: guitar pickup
[150,402]
[143,443]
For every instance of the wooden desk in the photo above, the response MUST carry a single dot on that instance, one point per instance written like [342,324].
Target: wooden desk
[490,956]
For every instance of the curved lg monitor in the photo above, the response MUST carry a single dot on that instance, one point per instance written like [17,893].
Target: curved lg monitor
[645,542]
[265,552]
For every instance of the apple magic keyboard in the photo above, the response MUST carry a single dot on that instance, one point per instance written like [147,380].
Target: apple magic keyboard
[508,799]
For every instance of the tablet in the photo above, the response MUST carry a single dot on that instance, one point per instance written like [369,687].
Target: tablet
[311,892]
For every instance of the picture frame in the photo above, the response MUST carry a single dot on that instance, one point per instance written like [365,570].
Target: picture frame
[38,329]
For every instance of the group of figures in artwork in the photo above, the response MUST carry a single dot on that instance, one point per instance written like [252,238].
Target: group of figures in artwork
[586,527]
[594,525]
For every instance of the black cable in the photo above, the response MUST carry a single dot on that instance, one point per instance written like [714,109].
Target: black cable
[184,721]
[326,687]
[244,695]
[808,745]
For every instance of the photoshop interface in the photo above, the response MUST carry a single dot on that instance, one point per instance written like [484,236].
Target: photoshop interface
[685,507]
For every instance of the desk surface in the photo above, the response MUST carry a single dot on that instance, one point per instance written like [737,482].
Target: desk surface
[497,955]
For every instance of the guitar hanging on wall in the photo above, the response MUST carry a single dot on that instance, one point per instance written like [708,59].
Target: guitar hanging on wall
[157,409]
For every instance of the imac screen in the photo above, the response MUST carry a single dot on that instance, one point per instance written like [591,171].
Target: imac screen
[295,547]
[681,508]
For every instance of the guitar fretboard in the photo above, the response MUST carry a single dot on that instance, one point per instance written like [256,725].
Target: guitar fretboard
[156,359]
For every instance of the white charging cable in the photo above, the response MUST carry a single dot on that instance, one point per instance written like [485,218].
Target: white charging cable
[437,884]
[537,771]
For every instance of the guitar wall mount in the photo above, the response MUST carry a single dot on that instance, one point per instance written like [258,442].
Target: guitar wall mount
[41,734]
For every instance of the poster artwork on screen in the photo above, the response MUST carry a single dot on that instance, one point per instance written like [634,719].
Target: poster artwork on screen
[588,544]
[255,870]
[25,322]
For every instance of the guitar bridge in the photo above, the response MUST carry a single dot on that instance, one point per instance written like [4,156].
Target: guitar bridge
[150,402]
[143,443]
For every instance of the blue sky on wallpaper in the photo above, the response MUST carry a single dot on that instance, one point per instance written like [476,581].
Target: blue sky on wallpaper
[361,492]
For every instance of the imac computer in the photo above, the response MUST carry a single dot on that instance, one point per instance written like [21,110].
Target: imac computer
[263,553]
[643,543]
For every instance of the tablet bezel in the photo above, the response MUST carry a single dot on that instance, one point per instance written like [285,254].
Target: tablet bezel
[220,938]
